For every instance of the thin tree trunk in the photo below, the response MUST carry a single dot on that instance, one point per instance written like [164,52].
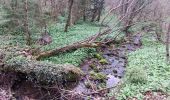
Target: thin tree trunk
[167,44]
[53,10]
[158,32]
[69,15]
[94,15]
[45,23]
[84,11]
[100,10]
[27,33]
[99,15]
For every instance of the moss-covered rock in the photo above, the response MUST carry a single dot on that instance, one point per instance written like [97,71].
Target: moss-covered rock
[97,76]
[98,56]
[94,67]
[103,61]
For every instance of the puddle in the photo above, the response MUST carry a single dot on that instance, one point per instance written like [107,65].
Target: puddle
[112,81]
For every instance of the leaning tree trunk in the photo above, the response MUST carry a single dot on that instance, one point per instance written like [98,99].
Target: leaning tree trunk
[69,15]
[167,44]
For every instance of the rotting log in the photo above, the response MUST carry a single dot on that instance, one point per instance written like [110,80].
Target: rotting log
[39,71]
[42,72]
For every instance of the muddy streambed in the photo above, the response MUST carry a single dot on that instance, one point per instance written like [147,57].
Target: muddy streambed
[106,70]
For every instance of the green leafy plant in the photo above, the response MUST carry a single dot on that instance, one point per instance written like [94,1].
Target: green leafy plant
[137,75]
[150,60]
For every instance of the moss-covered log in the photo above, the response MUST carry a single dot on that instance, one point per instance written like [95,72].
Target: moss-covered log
[41,72]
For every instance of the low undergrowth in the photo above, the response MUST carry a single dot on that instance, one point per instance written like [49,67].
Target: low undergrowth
[60,38]
[76,33]
[147,70]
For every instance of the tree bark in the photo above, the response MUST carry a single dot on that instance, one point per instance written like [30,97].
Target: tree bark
[167,44]
[69,15]
[66,49]
[27,33]
[94,15]
[84,10]
[87,43]
[100,10]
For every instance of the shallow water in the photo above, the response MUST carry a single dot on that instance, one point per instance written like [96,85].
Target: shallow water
[114,70]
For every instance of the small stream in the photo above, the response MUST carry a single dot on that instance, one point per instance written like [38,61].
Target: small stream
[114,70]
[110,67]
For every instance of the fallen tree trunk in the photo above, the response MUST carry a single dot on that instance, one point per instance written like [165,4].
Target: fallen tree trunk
[41,72]
[87,43]
[66,49]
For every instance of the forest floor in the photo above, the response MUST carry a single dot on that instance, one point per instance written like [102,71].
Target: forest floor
[143,74]
[147,73]
[60,38]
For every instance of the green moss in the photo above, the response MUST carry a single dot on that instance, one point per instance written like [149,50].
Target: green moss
[94,67]
[103,61]
[98,56]
[97,76]
[71,77]
[42,72]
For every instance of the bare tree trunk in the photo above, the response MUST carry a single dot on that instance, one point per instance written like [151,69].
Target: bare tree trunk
[69,15]
[167,44]
[53,10]
[45,23]
[158,32]
[94,15]
[27,33]
[100,10]
[84,10]
[99,15]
